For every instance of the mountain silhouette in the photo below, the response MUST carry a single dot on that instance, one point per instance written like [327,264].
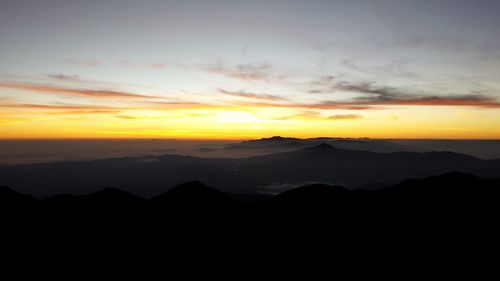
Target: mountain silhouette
[322,146]
[272,142]
[193,211]
[279,144]
[311,194]
[194,204]
[192,193]
[111,194]
[10,199]
[445,199]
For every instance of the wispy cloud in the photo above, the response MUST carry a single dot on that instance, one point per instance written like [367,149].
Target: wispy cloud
[83,62]
[174,104]
[322,84]
[61,106]
[374,94]
[467,100]
[330,84]
[84,112]
[246,72]
[51,89]
[152,65]
[56,109]
[396,68]
[470,101]
[384,95]
[127,117]
[344,117]
[302,115]
[452,129]
[371,103]
[370,88]
[259,96]
[64,77]
[299,105]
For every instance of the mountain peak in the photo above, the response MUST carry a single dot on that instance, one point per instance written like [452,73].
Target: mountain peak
[111,193]
[323,146]
[277,139]
[5,189]
[192,189]
[192,193]
[109,190]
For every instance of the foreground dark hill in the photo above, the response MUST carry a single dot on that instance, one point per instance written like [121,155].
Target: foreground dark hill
[148,176]
[448,200]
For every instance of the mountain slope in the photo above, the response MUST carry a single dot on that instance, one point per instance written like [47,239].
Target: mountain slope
[443,201]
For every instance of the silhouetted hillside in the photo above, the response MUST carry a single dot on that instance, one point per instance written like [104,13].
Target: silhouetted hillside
[192,195]
[315,196]
[193,190]
[448,200]
[11,200]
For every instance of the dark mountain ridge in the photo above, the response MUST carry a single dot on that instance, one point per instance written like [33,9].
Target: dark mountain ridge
[449,199]
[278,143]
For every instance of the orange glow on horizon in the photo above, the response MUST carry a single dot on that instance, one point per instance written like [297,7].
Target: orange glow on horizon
[251,122]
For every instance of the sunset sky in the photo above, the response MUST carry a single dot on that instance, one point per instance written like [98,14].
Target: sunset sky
[248,69]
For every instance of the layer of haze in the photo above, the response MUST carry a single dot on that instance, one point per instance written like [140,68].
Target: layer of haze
[249,69]
[45,151]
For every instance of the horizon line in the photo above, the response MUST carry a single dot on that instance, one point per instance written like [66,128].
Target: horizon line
[226,139]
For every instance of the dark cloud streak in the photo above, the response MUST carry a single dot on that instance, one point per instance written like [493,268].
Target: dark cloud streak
[64,77]
[379,95]
[259,96]
[345,117]
[51,89]
[246,72]
[83,62]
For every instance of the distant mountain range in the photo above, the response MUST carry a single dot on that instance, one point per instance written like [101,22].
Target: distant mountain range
[485,149]
[451,199]
[272,173]
[285,143]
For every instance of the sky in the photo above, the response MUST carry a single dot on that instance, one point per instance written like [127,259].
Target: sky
[247,69]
